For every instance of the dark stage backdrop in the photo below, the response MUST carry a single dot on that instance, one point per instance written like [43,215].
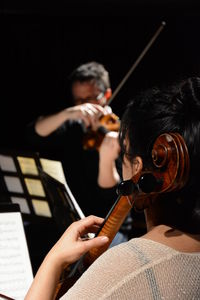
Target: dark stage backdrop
[41,45]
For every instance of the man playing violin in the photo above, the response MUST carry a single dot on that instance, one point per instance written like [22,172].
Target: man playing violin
[92,175]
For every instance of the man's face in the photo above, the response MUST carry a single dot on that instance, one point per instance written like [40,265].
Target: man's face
[86,92]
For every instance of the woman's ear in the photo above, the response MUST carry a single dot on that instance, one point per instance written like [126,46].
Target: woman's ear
[137,165]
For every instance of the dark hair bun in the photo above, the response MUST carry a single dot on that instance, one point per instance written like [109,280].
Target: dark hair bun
[188,96]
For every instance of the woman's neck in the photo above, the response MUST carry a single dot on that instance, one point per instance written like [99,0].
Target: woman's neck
[167,235]
[174,238]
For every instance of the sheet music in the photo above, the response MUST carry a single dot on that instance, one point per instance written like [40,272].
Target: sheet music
[15,267]
[53,168]
[13,184]
[34,187]
[7,163]
[22,203]
[27,165]
[41,208]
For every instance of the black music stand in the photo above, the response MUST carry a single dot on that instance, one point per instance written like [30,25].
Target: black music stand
[33,183]
[64,207]
[45,202]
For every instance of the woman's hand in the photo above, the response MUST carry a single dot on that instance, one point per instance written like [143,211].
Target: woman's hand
[69,248]
[73,244]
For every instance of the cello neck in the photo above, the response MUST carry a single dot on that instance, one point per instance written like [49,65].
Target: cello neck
[111,226]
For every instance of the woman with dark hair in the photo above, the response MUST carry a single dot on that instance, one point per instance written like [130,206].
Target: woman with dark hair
[163,263]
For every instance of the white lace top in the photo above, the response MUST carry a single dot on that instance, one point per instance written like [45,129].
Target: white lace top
[140,269]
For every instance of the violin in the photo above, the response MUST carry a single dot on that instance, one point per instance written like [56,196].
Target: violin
[93,139]
[169,172]
[111,122]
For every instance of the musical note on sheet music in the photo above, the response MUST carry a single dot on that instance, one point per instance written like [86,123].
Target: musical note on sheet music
[15,267]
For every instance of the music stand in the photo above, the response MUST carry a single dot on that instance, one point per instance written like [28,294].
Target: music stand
[64,207]
[38,185]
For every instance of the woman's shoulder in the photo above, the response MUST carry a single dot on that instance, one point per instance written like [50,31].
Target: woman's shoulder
[138,252]
[130,265]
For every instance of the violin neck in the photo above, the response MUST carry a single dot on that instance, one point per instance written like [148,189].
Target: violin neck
[111,226]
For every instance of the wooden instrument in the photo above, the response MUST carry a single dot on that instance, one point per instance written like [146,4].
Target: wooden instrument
[169,172]
[93,139]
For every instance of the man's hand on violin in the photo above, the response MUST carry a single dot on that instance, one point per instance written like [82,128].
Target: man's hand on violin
[88,113]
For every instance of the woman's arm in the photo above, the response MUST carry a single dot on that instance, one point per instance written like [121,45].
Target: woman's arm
[69,248]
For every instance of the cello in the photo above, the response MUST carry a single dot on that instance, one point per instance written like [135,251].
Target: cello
[170,172]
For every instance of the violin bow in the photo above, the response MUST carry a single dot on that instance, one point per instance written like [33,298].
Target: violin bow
[136,63]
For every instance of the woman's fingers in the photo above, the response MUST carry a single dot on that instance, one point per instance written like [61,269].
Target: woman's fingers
[95,242]
[85,224]
[92,229]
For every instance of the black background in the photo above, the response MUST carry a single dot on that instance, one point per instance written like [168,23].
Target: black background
[41,43]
